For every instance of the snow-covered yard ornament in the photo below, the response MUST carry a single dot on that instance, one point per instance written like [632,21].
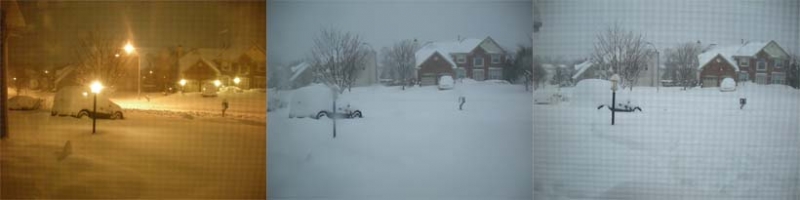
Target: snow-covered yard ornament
[742,102]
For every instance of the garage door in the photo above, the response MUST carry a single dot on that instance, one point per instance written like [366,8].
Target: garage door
[710,81]
[428,79]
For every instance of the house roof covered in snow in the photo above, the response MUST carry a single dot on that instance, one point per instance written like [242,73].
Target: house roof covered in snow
[446,49]
[298,69]
[582,67]
[729,52]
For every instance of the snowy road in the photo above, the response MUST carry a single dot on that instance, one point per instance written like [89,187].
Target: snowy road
[412,144]
[144,156]
[694,144]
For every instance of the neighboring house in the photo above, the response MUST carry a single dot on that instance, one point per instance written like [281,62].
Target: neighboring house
[207,65]
[584,70]
[463,58]
[759,62]
[301,75]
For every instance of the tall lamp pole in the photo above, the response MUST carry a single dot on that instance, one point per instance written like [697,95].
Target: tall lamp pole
[130,49]
[96,88]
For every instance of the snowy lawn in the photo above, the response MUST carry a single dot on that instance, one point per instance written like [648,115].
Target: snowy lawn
[694,144]
[150,154]
[412,144]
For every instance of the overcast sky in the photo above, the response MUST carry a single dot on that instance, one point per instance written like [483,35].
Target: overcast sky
[292,25]
[570,27]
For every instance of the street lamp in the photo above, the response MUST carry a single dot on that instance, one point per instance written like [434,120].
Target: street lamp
[614,80]
[129,49]
[236,80]
[183,83]
[658,57]
[96,88]
[217,83]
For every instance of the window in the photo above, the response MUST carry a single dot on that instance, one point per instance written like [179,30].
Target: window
[778,63]
[761,78]
[743,76]
[461,59]
[495,59]
[495,73]
[778,78]
[744,62]
[477,74]
[478,61]
[762,65]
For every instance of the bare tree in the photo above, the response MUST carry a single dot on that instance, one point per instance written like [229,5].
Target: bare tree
[400,59]
[337,57]
[100,57]
[621,52]
[682,62]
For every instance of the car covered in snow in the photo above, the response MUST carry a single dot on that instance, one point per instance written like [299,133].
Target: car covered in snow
[727,85]
[316,101]
[79,101]
[24,103]
[446,82]
[209,90]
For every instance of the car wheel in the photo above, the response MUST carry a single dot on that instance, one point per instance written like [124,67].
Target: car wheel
[357,113]
[321,114]
[116,115]
[83,113]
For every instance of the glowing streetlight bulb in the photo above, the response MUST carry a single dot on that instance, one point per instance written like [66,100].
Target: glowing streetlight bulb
[96,87]
[45,71]
[236,80]
[217,83]
[183,82]
[129,48]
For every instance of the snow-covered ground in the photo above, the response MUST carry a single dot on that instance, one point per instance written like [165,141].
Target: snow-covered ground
[412,144]
[693,144]
[171,147]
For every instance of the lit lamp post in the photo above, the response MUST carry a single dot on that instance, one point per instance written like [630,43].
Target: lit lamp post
[183,83]
[236,80]
[614,80]
[129,49]
[96,88]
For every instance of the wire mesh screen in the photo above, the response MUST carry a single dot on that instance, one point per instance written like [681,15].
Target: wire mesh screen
[706,105]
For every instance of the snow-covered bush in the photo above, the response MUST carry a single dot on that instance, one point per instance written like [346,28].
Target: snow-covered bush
[24,103]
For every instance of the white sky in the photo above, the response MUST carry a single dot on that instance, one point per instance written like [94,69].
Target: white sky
[292,25]
[570,27]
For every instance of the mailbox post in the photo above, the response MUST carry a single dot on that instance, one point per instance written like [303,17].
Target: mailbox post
[614,80]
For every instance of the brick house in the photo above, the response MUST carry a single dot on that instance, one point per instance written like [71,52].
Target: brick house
[203,65]
[759,62]
[464,58]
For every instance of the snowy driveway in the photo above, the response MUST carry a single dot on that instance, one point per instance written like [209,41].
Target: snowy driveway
[143,156]
[412,144]
[694,144]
